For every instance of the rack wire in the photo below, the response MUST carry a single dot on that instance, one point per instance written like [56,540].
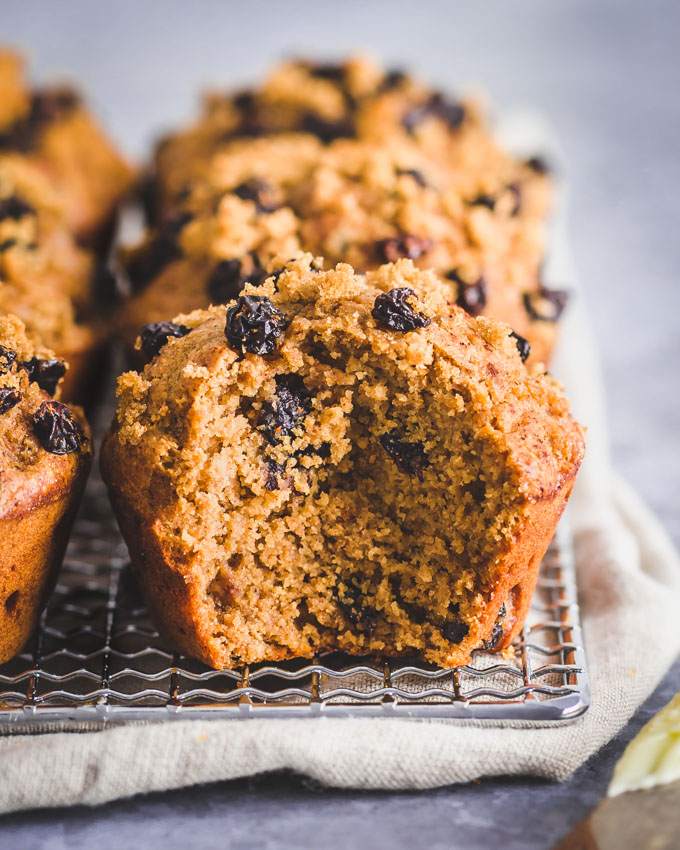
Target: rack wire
[96,657]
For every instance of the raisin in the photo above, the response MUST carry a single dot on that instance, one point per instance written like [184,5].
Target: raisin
[15,208]
[7,357]
[327,131]
[156,334]
[393,311]
[451,112]
[455,631]
[57,430]
[483,200]
[477,489]
[538,165]
[414,173]
[8,399]
[6,244]
[45,373]
[244,100]
[406,245]
[545,305]
[292,405]
[497,632]
[410,457]
[46,106]
[254,324]
[258,191]
[228,278]
[274,472]
[225,281]
[392,80]
[331,71]
[523,346]
[471,296]
[149,261]
[363,617]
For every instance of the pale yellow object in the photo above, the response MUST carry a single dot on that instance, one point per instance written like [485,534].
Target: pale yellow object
[653,757]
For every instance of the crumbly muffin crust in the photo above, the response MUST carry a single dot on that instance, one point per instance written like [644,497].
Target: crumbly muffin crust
[336,462]
[52,128]
[405,173]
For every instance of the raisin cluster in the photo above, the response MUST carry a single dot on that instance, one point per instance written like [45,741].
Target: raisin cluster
[56,429]
[392,310]
[254,325]
[155,335]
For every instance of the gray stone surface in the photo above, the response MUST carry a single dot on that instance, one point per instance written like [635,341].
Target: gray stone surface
[606,75]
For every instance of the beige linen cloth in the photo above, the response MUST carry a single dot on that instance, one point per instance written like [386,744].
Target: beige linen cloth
[629,591]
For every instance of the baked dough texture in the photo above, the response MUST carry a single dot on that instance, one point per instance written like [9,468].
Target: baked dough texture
[337,461]
[45,455]
[356,165]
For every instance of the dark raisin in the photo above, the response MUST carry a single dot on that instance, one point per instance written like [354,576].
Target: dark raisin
[229,277]
[451,112]
[274,473]
[225,281]
[57,430]
[392,80]
[545,305]
[46,106]
[278,419]
[331,71]
[455,631]
[410,457]
[516,191]
[471,296]
[483,200]
[6,244]
[15,208]
[538,165]
[523,346]
[8,399]
[254,324]
[407,245]
[327,131]
[414,173]
[45,373]
[7,357]
[392,310]
[497,632]
[350,601]
[156,334]
[244,100]
[258,191]
[149,261]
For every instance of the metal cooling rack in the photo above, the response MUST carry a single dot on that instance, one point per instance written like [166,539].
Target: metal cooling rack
[96,657]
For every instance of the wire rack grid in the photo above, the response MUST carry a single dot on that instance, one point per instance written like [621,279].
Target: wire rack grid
[97,657]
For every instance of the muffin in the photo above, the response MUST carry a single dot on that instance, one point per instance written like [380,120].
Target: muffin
[411,175]
[45,455]
[334,462]
[52,128]
[46,278]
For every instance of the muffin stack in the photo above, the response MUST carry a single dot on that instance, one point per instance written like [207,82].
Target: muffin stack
[355,165]
[340,434]
[61,182]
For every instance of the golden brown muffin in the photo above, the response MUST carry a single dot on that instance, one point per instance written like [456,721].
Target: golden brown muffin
[45,456]
[52,128]
[334,462]
[45,277]
[407,174]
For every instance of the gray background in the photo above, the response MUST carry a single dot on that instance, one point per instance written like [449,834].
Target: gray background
[606,75]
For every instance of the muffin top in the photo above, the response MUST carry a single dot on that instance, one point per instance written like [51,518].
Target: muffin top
[42,441]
